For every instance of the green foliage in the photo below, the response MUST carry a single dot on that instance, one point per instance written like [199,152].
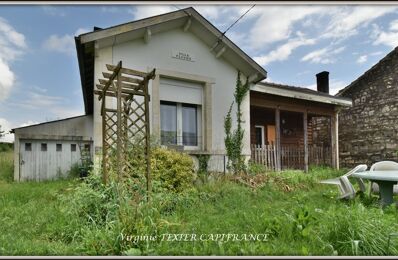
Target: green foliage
[89,218]
[173,169]
[6,147]
[233,139]
[7,166]
[256,168]
[203,172]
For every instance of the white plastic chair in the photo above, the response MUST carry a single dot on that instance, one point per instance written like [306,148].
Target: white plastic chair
[345,187]
[382,166]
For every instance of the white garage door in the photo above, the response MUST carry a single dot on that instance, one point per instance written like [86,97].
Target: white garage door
[46,160]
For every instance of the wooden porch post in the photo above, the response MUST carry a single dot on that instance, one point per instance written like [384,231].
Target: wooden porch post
[305,124]
[334,127]
[278,139]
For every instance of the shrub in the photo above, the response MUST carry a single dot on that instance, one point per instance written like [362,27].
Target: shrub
[173,169]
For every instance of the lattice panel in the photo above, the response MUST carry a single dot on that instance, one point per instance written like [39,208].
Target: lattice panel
[126,123]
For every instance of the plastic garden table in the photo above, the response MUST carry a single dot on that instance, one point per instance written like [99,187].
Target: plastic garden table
[385,180]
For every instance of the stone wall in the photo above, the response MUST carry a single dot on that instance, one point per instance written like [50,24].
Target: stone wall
[368,131]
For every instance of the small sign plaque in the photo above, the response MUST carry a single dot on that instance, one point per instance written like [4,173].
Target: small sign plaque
[181,55]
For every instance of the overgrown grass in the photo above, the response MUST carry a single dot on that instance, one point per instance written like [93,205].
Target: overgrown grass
[7,166]
[299,216]
[30,218]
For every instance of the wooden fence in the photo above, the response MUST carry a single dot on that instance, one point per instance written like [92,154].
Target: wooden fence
[292,157]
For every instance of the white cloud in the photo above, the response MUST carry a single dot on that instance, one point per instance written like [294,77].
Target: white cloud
[7,79]
[387,38]
[63,43]
[53,11]
[325,55]
[40,101]
[110,9]
[6,127]
[362,59]
[275,23]
[144,11]
[346,20]
[394,25]
[283,52]
[12,46]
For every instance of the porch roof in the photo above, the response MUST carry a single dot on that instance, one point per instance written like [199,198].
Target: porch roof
[300,93]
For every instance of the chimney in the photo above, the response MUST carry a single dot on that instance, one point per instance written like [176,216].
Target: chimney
[322,82]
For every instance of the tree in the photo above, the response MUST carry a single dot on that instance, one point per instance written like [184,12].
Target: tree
[1,132]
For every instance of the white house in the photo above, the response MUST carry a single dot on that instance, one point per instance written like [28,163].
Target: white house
[196,70]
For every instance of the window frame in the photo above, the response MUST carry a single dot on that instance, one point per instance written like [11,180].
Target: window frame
[198,117]
[262,134]
[58,147]
[43,147]
[73,149]
[28,145]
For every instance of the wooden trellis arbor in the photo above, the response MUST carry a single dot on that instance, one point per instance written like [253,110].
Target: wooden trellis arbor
[125,119]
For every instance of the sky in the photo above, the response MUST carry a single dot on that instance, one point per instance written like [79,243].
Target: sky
[39,74]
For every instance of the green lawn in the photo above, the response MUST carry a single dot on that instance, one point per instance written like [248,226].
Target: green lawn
[299,216]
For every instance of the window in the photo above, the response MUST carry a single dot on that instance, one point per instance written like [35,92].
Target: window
[87,147]
[179,123]
[259,135]
[73,147]
[189,125]
[28,147]
[168,122]
[44,147]
[59,148]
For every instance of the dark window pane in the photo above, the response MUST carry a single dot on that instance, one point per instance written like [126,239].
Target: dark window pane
[28,147]
[59,147]
[189,125]
[87,147]
[259,136]
[73,147]
[168,123]
[44,147]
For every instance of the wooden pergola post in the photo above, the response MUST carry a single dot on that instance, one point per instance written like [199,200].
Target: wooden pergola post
[278,138]
[334,129]
[305,124]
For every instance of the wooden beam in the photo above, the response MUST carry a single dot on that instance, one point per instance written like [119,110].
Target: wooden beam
[334,129]
[116,30]
[124,91]
[220,52]
[290,105]
[123,78]
[278,139]
[305,124]
[292,93]
[108,94]
[187,24]
[127,71]
[147,35]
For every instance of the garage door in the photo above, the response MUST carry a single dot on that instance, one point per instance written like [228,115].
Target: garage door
[47,160]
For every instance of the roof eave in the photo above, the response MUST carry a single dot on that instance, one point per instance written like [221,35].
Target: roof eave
[303,96]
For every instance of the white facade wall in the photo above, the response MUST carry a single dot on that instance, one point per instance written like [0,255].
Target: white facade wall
[218,74]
